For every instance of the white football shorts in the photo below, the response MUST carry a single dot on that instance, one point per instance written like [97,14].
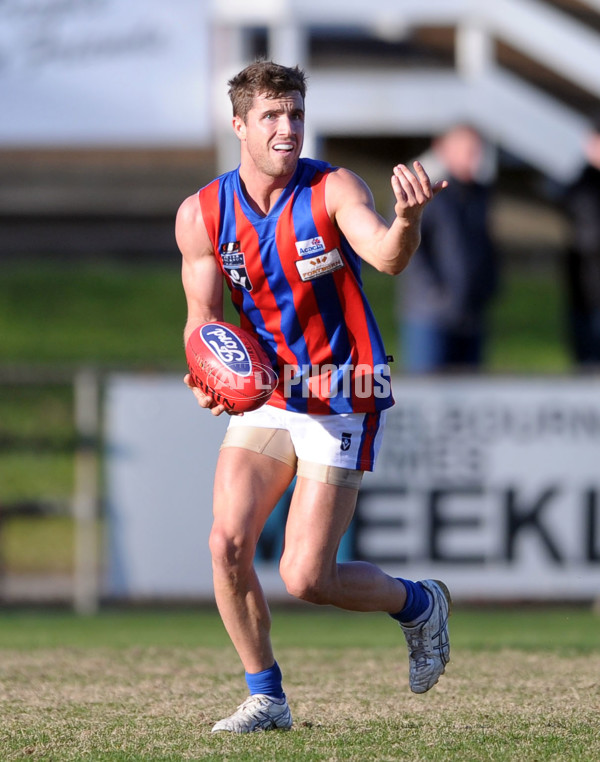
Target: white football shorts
[346,440]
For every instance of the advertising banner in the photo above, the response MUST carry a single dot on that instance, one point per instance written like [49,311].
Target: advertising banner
[492,485]
[104,72]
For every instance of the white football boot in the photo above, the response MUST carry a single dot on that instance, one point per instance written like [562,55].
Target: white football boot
[428,642]
[258,712]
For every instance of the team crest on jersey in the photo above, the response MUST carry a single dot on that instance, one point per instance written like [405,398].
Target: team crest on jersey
[234,264]
[310,247]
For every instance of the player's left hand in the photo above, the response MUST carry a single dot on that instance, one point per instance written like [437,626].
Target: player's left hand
[413,190]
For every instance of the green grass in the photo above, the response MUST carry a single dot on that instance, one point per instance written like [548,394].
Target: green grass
[91,314]
[561,629]
[142,685]
[528,333]
[38,545]
[130,316]
[47,477]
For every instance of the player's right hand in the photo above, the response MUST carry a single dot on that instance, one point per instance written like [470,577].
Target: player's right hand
[204,400]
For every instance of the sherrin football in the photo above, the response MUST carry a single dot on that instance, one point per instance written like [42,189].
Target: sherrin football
[229,364]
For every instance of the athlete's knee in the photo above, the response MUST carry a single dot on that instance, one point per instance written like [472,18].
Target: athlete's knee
[305,584]
[229,550]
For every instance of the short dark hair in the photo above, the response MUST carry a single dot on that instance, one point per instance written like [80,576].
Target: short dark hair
[263,77]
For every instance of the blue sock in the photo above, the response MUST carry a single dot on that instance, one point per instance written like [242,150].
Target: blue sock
[417,602]
[268,682]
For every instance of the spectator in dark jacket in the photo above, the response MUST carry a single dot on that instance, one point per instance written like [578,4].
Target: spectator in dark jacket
[582,203]
[448,286]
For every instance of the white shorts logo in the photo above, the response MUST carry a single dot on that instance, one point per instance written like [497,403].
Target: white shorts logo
[315,267]
[311,246]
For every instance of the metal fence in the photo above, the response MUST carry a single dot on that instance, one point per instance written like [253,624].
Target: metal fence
[26,496]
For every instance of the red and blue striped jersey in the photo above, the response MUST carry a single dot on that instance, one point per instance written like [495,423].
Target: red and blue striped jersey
[295,282]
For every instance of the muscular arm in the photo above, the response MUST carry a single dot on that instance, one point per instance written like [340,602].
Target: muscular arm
[387,247]
[202,280]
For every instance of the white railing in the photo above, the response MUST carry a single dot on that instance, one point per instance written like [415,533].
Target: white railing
[535,126]
[560,43]
[83,585]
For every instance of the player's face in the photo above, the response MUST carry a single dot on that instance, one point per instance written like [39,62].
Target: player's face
[273,133]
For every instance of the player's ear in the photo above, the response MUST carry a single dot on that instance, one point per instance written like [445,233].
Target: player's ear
[239,127]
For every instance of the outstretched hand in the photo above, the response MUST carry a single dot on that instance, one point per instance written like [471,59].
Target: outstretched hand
[413,190]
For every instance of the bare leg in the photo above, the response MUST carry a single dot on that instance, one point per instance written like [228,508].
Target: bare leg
[319,516]
[247,488]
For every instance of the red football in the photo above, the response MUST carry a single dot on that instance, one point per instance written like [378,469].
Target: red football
[229,364]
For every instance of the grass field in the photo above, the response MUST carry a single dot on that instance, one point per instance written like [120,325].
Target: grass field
[140,685]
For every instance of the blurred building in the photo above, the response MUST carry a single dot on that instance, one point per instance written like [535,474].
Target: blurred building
[117,111]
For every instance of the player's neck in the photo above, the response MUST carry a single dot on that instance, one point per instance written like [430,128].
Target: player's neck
[262,191]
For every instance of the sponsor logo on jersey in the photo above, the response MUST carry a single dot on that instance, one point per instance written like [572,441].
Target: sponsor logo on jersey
[225,345]
[234,264]
[316,267]
[310,247]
